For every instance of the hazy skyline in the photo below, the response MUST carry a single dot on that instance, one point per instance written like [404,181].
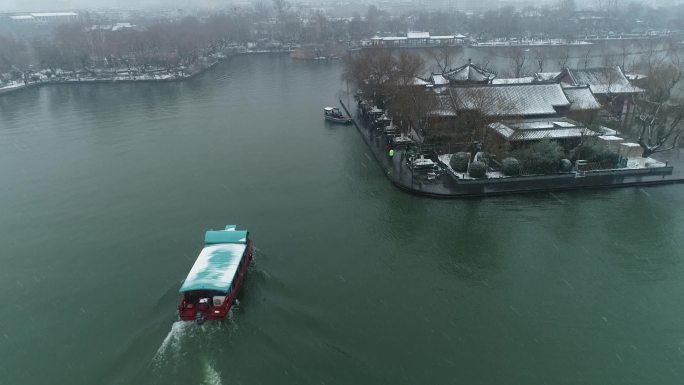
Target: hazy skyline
[57,5]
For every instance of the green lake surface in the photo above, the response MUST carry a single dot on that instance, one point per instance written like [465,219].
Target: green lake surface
[106,191]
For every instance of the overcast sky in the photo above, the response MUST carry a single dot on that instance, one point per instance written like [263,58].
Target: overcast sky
[56,5]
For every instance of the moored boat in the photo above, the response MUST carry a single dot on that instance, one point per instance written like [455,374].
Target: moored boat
[216,277]
[333,114]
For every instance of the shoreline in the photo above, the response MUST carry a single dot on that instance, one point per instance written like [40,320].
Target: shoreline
[448,187]
[114,80]
[170,78]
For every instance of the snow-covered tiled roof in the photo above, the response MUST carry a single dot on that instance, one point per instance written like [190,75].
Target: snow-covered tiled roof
[419,82]
[545,76]
[525,80]
[581,98]
[604,80]
[438,80]
[443,106]
[54,14]
[633,77]
[539,130]
[512,99]
[418,35]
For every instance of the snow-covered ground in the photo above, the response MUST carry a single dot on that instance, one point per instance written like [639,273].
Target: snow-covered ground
[635,163]
[506,43]
[632,163]
[14,85]
[112,75]
[445,158]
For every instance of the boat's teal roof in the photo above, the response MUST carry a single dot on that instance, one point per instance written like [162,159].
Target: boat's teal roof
[218,262]
[225,236]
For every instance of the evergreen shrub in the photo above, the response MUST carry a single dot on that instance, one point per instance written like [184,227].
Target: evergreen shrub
[477,169]
[510,166]
[595,153]
[459,161]
[540,158]
[565,165]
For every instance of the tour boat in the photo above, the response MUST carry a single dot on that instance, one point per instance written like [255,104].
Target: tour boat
[214,281]
[333,114]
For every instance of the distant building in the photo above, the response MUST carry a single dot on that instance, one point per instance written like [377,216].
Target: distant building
[45,17]
[22,19]
[116,27]
[416,39]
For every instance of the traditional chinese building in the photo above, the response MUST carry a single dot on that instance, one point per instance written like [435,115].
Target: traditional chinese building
[609,85]
[507,136]
[469,74]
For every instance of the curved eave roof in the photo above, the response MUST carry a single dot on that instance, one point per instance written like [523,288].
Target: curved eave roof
[469,72]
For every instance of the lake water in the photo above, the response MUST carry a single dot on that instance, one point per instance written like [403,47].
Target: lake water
[106,191]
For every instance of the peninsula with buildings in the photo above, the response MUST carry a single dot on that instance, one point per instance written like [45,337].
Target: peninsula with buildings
[467,132]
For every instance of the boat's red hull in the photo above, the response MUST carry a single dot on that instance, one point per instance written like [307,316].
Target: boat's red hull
[188,312]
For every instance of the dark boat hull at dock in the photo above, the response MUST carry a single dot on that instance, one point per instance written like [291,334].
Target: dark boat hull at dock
[338,120]
[334,115]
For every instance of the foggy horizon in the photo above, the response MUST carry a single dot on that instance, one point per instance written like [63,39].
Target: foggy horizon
[61,5]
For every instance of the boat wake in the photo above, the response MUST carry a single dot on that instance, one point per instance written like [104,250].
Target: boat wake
[210,374]
[172,344]
[184,333]
[176,355]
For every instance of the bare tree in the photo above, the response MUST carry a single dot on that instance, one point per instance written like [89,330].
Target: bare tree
[370,72]
[659,111]
[518,61]
[624,51]
[540,57]
[486,63]
[587,54]
[564,57]
[445,56]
